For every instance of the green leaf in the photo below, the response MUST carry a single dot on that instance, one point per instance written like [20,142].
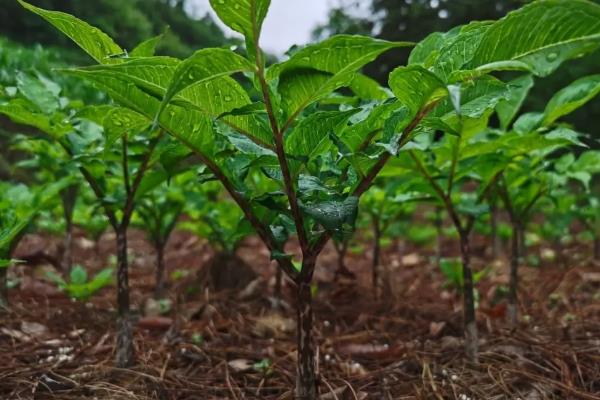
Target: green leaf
[37,93]
[202,66]
[316,70]
[457,51]
[147,48]
[213,97]
[571,98]
[78,275]
[416,87]
[542,35]
[368,89]
[528,122]
[92,40]
[508,109]
[120,121]
[192,128]
[16,111]
[243,16]
[338,216]
[311,136]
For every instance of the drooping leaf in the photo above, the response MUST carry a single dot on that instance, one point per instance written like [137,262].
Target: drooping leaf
[338,216]
[18,113]
[542,35]
[36,92]
[92,40]
[508,109]
[571,98]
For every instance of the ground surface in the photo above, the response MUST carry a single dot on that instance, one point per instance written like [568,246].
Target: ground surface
[210,345]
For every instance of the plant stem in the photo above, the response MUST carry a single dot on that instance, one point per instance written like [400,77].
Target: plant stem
[69,198]
[522,245]
[160,269]
[278,282]
[3,287]
[306,387]
[512,313]
[341,250]
[494,229]
[439,235]
[470,324]
[376,254]
[124,351]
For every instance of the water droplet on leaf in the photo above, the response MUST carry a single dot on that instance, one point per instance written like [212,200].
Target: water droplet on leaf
[552,56]
[228,98]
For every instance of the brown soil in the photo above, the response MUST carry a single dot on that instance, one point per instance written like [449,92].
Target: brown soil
[207,346]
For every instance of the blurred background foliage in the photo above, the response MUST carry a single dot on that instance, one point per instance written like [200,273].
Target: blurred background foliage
[129,22]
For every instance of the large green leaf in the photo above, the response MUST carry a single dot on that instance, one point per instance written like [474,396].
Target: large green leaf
[416,87]
[191,127]
[571,98]
[19,113]
[205,65]
[213,97]
[457,51]
[92,40]
[37,93]
[542,35]
[317,70]
[311,136]
[243,16]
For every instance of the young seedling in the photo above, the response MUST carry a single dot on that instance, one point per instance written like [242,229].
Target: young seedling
[533,138]
[49,163]
[388,208]
[18,207]
[115,152]
[573,185]
[157,214]
[79,287]
[320,160]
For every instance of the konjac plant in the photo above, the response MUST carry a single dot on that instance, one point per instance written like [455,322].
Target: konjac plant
[320,157]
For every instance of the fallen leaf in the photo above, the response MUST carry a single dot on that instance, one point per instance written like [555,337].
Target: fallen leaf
[251,290]
[435,328]
[411,259]
[241,365]
[155,322]
[15,334]
[273,325]
[450,343]
[34,329]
